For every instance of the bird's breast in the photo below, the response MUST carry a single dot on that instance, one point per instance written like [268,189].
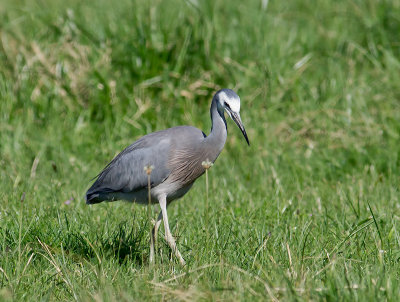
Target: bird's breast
[186,164]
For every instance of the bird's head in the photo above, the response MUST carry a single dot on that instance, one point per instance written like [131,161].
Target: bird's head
[229,101]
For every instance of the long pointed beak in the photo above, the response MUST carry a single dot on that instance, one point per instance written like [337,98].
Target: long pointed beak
[236,118]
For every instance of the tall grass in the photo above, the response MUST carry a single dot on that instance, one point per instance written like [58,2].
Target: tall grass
[309,212]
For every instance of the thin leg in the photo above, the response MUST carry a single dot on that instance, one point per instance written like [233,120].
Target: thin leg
[168,236]
[153,239]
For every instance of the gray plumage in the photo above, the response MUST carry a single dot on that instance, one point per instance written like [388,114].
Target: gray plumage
[176,154]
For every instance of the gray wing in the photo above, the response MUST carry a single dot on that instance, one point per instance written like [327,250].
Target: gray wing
[125,173]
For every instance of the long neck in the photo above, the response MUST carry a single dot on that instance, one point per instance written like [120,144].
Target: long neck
[217,136]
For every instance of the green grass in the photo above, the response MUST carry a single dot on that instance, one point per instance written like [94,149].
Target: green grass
[310,211]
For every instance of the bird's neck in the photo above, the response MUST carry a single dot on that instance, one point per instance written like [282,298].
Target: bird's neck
[217,136]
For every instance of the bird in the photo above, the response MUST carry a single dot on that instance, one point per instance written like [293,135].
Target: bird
[175,156]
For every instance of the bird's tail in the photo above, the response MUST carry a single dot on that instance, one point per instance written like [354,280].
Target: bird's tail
[93,197]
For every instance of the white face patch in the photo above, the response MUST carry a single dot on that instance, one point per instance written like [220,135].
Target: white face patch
[234,103]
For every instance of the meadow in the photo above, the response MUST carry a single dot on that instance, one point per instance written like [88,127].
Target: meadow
[309,212]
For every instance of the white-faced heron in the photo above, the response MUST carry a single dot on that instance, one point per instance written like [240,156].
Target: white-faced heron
[176,154]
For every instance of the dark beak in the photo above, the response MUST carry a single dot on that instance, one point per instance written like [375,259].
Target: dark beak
[236,118]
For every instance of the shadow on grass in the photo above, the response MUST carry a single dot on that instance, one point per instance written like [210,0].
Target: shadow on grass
[121,242]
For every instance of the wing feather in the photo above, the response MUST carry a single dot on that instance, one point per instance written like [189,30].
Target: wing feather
[125,173]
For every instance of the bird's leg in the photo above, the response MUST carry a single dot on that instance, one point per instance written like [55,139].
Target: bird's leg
[168,236]
[155,229]
[153,239]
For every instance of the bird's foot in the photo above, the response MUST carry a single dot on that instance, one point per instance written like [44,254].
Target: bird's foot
[181,260]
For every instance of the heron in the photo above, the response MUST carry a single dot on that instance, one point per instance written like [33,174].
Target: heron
[176,156]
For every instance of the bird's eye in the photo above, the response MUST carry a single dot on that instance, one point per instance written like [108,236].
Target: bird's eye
[227,105]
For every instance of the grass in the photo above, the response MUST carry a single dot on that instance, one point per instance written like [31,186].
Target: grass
[310,211]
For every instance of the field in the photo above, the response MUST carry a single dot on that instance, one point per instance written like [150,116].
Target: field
[310,211]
